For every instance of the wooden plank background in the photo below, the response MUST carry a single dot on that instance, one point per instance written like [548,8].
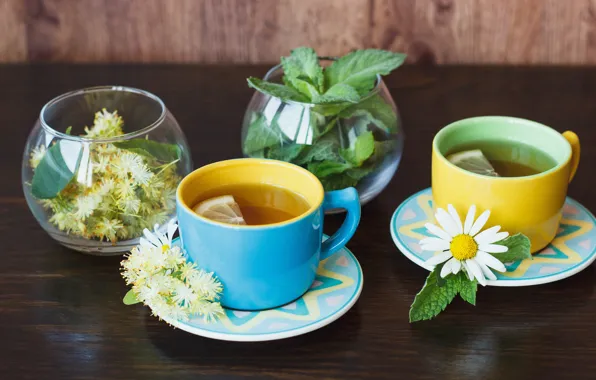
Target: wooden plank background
[559,32]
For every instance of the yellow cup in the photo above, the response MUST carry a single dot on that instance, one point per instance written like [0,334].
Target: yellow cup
[530,205]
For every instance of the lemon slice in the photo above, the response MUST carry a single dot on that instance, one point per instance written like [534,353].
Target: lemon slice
[473,161]
[222,209]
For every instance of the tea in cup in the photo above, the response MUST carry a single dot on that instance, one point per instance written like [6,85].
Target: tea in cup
[265,243]
[518,169]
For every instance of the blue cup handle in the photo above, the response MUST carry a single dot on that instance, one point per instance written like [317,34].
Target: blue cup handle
[347,199]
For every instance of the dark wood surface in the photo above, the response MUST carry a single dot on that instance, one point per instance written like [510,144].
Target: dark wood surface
[61,315]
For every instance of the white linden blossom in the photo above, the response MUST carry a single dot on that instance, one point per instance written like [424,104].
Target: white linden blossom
[162,278]
[464,247]
[37,155]
[86,205]
[134,197]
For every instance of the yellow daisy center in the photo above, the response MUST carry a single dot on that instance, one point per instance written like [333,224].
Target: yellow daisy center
[165,247]
[463,247]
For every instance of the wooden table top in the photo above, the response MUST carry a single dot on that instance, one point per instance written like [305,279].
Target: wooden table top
[61,314]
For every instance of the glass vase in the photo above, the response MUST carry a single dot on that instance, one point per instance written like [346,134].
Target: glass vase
[343,144]
[101,164]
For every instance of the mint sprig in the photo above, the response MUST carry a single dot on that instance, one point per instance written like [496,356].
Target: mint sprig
[353,130]
[438,292]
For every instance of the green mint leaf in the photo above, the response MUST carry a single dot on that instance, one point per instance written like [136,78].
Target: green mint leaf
[261,135]
[432,299]
[360,68]
[130,298]
[328,127]
[340,93]
[359,173]
[440,280]
[330,109]
[326,168]
[362,148]
[68,130]
[338,182]
[276,90]
[286,152]
[152,149]
[324,149]
[467,288]
[56,169]
[375,110]
[519,249]
[303,64]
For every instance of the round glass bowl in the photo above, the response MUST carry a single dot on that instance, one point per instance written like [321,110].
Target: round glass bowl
[343,144]
[101,164]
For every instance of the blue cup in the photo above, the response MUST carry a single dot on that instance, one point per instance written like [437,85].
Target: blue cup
[263,266]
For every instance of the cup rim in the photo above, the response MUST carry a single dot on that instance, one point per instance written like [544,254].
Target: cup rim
[279,66]
[243,161]
[525,122]
[87,90]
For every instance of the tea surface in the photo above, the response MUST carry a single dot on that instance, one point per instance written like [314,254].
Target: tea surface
[511,158]
[263,203]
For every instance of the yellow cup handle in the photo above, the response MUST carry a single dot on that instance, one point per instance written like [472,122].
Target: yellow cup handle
[574,142]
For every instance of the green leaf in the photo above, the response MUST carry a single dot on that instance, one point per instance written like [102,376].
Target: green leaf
[375,110]
[330,109]
[68,130]
[56,169]
[519,249]
[286,152]
[360,68]
[323,149]
[130,298]
[152,149]
[440,280]
[261,135]
[326,168]
[339,93]
[359,173]
[432,299]
[277,90]
[467,288]
[362,148]
[303,63]
[338,182]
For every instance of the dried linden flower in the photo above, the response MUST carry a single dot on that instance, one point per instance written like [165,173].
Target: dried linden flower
[129,192]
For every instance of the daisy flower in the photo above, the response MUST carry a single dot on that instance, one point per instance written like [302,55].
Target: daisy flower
[463,246]
[156,240]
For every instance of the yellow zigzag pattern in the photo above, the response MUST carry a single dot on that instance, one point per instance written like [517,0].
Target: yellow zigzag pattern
[559,242]
[310,299]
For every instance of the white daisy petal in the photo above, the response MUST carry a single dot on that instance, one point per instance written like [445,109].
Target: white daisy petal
[490,261]
[438,259]
[490,237]
[492,248]
[487,272]
[456,218]
[467,270]
[437,231]
[446,222]
[152,238]
[479,223]
[434,244]
[456,266]
[486,236]
[144,243]
[469,219]
[172,227]
[446,268]
[476,271]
